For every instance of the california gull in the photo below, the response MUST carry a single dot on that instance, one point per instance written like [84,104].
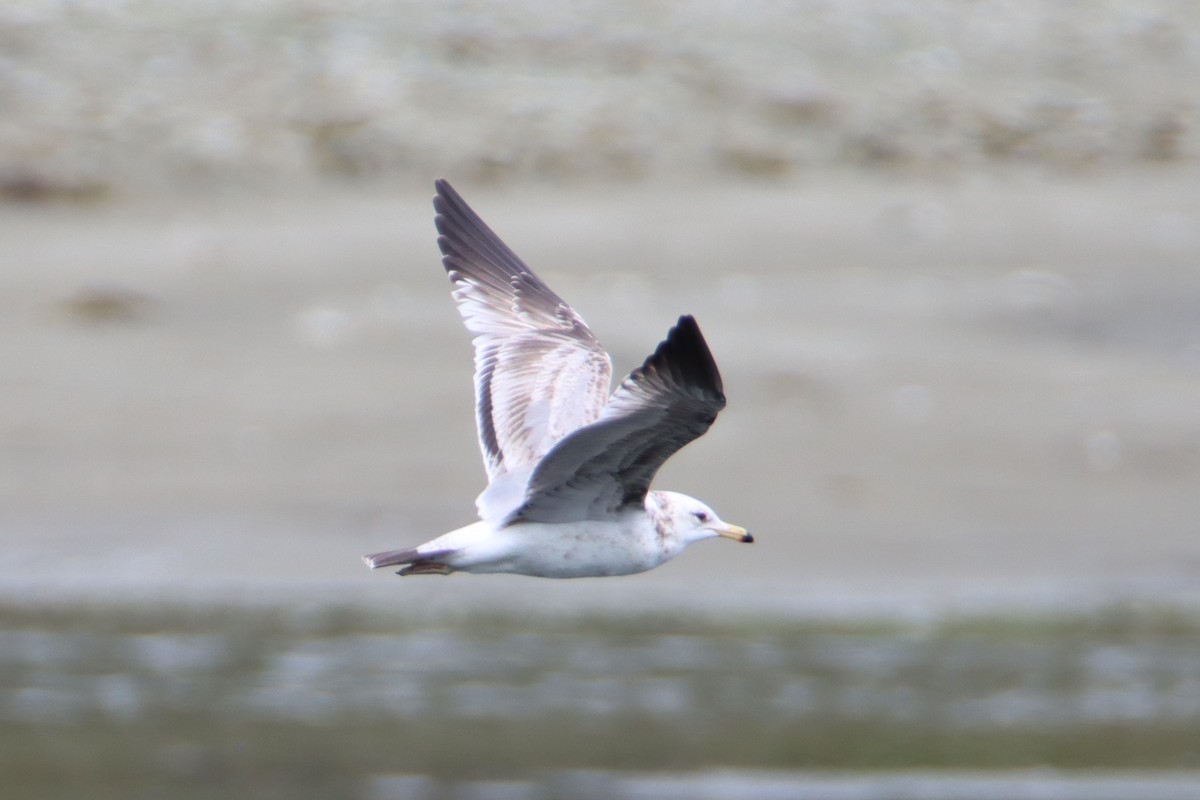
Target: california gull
[569,465]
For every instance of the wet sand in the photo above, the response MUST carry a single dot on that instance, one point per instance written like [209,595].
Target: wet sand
[944,393]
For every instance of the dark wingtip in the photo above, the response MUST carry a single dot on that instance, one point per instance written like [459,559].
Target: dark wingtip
[446,197]
[685,356]
[457,222]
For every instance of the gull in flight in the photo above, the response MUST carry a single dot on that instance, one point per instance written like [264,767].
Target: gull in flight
[569,465]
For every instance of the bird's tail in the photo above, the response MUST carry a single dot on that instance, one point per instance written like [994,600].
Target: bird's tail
[422,562]
[391,558]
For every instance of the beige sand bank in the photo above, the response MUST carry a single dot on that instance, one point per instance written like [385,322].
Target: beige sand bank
[941,393]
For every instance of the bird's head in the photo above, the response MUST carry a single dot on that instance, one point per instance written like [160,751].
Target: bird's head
[689,520]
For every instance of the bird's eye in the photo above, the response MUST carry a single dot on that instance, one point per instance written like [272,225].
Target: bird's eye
[701,516]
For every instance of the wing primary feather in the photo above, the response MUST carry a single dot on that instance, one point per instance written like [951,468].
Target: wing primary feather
[539,371]
[685,357]
[457,222]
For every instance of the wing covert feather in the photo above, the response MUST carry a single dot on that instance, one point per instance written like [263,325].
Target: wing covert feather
[672,399]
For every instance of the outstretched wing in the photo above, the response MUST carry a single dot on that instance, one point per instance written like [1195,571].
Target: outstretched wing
[539,372]
[670,400]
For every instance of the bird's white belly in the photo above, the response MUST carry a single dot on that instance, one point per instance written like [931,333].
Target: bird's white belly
[565,550]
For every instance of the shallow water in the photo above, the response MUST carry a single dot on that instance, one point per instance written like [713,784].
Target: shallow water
[133,700]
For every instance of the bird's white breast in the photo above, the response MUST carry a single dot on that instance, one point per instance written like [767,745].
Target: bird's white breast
[568,550]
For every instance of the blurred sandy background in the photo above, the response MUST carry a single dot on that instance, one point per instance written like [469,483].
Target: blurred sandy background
[948,258]
[946,254]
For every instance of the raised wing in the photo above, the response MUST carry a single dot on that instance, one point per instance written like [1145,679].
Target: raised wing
[670,400]
[539,372]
